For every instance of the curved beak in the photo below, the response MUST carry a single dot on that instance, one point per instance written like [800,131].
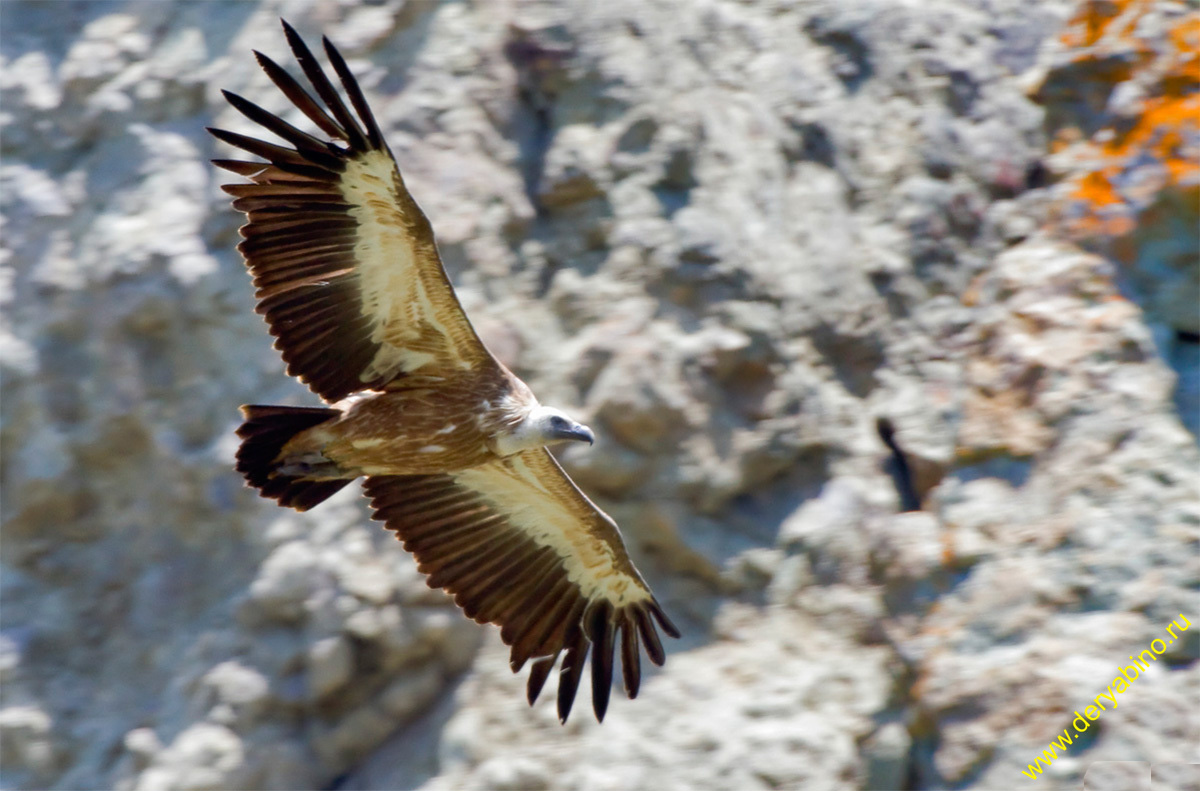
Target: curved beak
[579,432]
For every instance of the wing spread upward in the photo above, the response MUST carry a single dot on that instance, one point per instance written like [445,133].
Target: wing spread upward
[519,546]
[344,261]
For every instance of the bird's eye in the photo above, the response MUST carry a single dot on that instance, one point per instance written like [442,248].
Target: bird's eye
[557,422]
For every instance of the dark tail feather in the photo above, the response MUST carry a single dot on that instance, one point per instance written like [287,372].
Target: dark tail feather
[266,430]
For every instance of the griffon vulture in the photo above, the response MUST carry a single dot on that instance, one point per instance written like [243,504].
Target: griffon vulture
[452,444]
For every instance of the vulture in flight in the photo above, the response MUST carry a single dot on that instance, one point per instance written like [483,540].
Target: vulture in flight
[451,443]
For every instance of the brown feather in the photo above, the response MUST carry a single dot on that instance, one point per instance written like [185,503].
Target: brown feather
[555,630]
[298,96]
[631,663]
[663,620]
[503,605]
[539,671]
[653,646]
[328,256]
[571,671]
[554,602]
[251,170]
[534,604]
[451,565]
[510,552]
[283,227]
[600,632]
[445,538]
[333,252]
[287,276]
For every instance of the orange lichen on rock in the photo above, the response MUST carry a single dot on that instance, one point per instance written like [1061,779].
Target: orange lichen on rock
[1093,20]
[1135,147]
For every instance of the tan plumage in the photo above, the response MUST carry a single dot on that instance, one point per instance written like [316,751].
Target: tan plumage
[349,280]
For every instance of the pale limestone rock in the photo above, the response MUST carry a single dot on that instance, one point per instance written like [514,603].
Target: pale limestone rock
[330,663]
[204,757]
[143,744]
[242,693]
[286,581]
[730,236]
[411,692]
[26,733]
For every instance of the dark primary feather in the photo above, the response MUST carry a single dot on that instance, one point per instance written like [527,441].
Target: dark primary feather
[571,671]
[631,666]
[353,134]
[279,156]
[654,648]
[324,154]
[664,622]
[374,136]
[600,632]
[298,96]
[539,671]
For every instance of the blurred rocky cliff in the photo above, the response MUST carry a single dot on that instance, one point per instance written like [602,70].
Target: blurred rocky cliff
[732,236]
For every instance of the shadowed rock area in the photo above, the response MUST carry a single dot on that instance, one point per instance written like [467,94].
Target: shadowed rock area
[735,238]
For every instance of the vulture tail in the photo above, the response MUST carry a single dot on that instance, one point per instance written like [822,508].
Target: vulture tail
[266,430]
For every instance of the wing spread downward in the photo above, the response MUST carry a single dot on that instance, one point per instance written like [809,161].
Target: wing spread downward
[344,261]
[519,546]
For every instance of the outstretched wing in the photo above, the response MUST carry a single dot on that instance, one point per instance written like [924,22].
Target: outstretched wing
[344,261]
[519,546]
